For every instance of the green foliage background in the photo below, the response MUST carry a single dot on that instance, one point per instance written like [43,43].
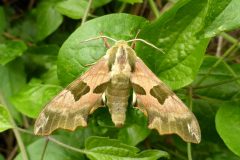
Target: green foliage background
[40,53]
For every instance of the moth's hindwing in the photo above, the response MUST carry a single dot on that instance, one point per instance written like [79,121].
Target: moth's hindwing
[166,112]
[71,106]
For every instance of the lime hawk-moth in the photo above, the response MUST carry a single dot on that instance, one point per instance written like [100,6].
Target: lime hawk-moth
[110,82]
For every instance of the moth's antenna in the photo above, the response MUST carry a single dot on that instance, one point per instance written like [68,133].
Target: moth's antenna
[146,42]
[95,38]
[133,45]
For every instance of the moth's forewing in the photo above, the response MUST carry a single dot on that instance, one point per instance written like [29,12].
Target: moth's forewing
[71,107]
[166,112]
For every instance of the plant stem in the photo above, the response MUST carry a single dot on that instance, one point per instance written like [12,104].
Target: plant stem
[122,7]
[24,131]
[44,149]
[231,71]
[189,147]
[67,146]
[230,38]
[15,131]
[219,46]
[189,151]
[154,8]
[86,12]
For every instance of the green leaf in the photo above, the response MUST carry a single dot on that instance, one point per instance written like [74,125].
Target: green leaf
[228,126]
[110,149]
[42,56]
[25,28]
[10,50]
[75,9]
[223,15]
[4,119]
[135,129]
[133,134]
[224,91]
[48,19]
[131,1]
[176,32]
[1,157]
[213,151]
[50,77]
[72,8]
[208,95]
[205,111]
[13,78]
[53,151]
[74,56]
[33,97]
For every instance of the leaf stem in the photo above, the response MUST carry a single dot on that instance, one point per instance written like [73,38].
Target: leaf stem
[217,63]
[44,149]
[15,131]
[154,8]
[86,12]
[67,146]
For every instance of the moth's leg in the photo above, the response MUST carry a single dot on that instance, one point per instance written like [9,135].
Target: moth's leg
[134,99]
[107,45]
[133,45]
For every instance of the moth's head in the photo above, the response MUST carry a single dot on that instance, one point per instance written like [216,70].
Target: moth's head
[121,43]
[121,53]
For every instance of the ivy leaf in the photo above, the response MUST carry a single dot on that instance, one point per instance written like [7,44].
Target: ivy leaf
[48,19]
[228,126]
[10,50]
[110,149]
[74,56]
[222,16]
[33,97]
[4,119]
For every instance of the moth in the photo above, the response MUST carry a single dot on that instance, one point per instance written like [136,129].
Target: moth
[109,83]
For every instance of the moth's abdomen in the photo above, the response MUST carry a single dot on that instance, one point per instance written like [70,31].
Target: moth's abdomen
[117,94]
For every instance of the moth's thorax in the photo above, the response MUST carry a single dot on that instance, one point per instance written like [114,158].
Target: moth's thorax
[121,58]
